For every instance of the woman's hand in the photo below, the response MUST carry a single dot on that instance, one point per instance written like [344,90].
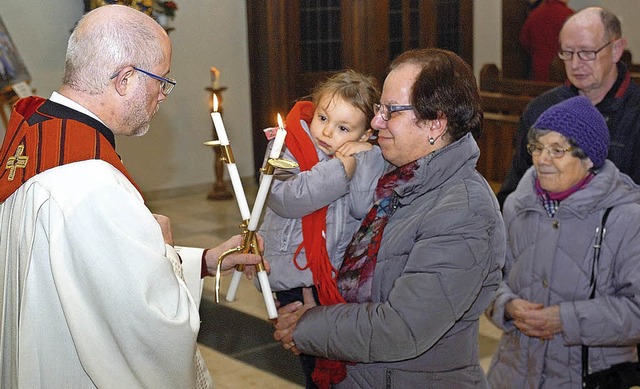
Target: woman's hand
[287,320]
[533,319]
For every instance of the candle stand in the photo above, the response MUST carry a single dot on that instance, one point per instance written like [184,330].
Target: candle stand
[219,190]
[250,218]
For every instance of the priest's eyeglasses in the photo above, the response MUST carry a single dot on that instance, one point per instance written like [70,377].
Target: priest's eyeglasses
[166,83]
[585,55]
[385,110]
[554,152]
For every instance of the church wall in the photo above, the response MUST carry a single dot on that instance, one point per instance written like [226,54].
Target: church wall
[207,33]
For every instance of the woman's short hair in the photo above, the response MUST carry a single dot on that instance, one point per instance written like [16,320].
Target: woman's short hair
[445,87]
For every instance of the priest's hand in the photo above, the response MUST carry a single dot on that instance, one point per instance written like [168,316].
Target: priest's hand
[165,227]
[230,261]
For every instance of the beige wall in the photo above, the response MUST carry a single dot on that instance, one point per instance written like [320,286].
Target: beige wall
[208,33]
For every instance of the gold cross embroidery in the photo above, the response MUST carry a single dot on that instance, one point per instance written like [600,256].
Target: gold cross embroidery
[16,161]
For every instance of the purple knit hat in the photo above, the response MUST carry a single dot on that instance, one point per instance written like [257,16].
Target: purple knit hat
[577,119]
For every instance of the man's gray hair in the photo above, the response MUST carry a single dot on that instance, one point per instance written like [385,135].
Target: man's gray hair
[98,49]
[611,24]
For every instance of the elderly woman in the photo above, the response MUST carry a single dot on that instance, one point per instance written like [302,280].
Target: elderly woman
[543,304]
[426,260]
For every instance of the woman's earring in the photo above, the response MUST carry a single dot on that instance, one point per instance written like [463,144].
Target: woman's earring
[432,141]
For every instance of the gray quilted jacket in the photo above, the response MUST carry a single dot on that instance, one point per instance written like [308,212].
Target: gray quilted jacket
[549,261]
[437,270]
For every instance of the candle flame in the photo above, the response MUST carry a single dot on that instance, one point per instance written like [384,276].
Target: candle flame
[280,125]
[215,103]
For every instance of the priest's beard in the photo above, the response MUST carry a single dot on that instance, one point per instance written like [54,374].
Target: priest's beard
[137,117]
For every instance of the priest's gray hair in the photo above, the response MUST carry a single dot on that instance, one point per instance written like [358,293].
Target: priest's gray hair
[99,47]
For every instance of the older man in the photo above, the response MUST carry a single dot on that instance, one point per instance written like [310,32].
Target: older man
[591,45]
[92,292]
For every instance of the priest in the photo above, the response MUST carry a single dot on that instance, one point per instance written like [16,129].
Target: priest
[92,292]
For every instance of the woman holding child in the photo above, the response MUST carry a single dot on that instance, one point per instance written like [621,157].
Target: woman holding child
[426,260]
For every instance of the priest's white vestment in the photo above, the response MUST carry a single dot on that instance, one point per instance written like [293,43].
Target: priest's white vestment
[89,296]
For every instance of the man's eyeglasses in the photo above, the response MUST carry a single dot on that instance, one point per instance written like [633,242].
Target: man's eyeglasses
[386,110]
[166,83]
[554,152]
[585,55]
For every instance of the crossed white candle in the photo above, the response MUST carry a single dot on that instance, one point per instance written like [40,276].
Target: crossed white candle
[254,216]
[231,166]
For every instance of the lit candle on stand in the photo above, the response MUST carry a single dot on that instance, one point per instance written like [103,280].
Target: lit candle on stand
[231,165]
[237,189]
[250,240]
[265,182]
[263,190]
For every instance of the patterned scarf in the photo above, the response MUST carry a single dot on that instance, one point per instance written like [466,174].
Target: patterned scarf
[551,200]
[356,274]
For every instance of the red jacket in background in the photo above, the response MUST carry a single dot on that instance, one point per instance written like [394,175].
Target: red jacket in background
[539,35]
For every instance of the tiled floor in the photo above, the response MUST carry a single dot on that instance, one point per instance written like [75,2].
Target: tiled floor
[235,338]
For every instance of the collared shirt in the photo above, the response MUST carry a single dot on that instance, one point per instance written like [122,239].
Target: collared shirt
[67,102]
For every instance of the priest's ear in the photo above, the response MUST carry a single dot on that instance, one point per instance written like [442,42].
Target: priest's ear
[123,80]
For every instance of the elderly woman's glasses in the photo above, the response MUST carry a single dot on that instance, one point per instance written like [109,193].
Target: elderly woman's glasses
[385,110]
[554,152]
[166,83]
[585,55]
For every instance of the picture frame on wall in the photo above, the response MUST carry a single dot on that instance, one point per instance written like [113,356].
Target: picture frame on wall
[12,68]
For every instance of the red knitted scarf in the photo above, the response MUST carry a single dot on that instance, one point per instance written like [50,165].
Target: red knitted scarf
[36,141]
[301,146]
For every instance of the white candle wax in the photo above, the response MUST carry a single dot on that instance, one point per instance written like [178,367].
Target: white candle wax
[239,191]
[263,190]
[266,294]
[222,133]
[278,143]
[233,285]
[231,167]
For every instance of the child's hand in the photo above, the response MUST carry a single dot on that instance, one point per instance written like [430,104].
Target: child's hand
[354,147]
[349,163]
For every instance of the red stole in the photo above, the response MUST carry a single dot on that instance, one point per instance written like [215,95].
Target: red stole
[37,140]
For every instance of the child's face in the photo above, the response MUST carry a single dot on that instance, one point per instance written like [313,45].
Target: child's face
[336,121]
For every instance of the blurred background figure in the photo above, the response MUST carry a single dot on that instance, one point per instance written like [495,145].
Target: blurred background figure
[539,35]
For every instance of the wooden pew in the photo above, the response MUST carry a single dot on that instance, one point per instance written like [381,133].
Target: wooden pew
[491,80]
[503,101]
[496,147]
